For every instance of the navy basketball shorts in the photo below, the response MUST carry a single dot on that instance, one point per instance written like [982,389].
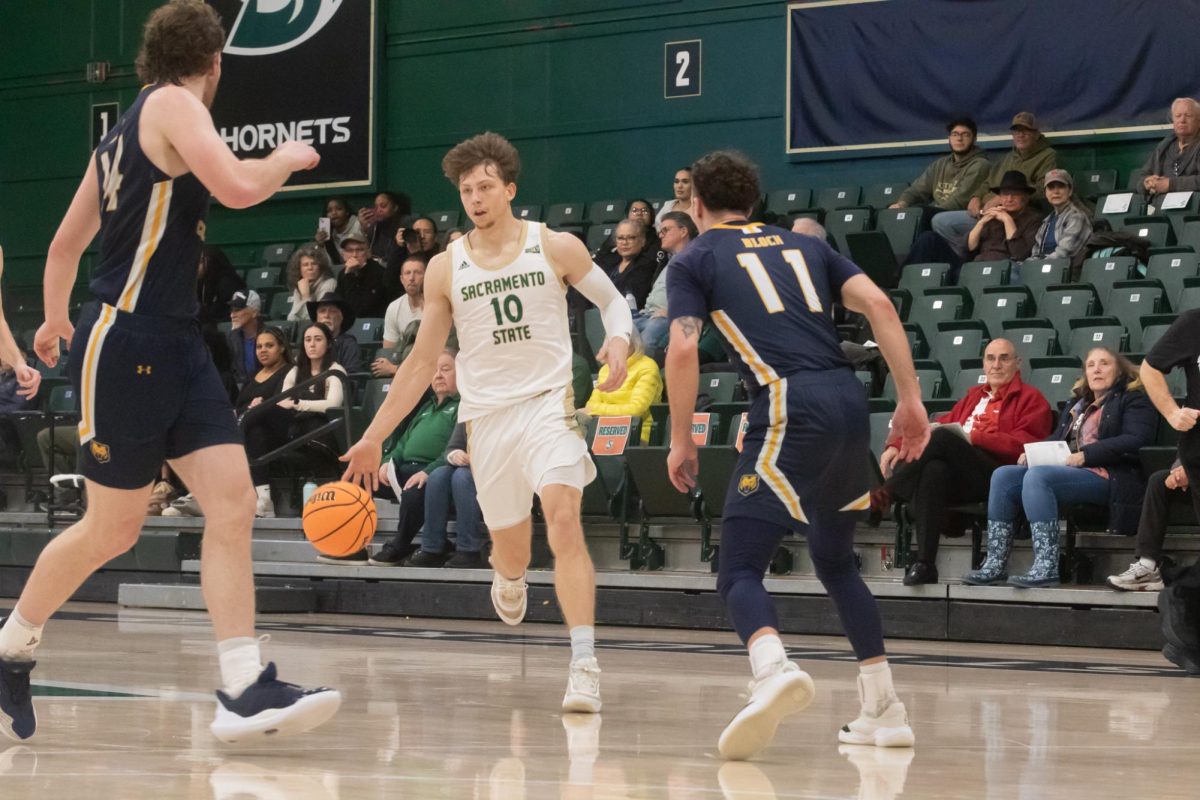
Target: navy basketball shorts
[148,392]
[806,451]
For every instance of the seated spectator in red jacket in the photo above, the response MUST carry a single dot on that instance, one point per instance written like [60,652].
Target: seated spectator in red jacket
[996,419]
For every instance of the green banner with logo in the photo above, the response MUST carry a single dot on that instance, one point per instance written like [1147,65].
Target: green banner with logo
[300,69]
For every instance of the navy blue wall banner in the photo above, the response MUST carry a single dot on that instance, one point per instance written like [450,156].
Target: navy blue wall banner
[880,74]
[300,69]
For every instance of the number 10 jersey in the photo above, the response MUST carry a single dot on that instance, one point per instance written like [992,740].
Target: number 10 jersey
[513,333]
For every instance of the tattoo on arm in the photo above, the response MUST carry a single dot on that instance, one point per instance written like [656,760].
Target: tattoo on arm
[691,326]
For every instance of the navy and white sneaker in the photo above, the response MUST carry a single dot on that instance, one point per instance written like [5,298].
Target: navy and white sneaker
[270,707]
[17,718]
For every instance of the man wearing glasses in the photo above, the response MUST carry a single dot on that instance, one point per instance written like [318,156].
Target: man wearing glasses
[1174,165]
[949,183]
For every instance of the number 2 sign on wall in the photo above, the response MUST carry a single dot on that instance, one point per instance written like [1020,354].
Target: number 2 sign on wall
[681,68]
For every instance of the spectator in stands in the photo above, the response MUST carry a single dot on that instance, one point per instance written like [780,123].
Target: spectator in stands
[641,210]
[336,314]
[1174,165]
[309,276]
[403,312]
[268,429]
[451,482]
[453,235]
[643,387]
[1007,229]
[633,266]
[419,450]
[1109,420]
[342,224]
[949,183]
[380,221]
[682,200]
[245,316]
[361,280]
[419,239]
[13,397]
[1065,232]
[987,428]
[311,406]
[676,230]
[1164,488]
[216,281]
[60,454]
[1031,155]
[807,226]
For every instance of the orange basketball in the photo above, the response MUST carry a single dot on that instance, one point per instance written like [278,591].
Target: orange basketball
[339,518]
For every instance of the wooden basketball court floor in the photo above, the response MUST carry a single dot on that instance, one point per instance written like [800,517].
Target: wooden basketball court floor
[446,709]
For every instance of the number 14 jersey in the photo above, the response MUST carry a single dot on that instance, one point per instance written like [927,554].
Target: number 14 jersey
[512,326]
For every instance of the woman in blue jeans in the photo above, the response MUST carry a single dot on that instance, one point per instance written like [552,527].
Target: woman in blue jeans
[451,482]
[1108,420]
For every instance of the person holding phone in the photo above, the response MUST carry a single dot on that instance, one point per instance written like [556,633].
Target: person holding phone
[338,224]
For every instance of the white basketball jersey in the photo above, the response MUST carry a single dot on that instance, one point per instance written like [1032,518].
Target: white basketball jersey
[513,336]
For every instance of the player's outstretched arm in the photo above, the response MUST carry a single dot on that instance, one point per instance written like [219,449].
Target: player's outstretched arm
[683,382]
[570,258]
[75,233]
[910,421]
[187,127]
[411,379]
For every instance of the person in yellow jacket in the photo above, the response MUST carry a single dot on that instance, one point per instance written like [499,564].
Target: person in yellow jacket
[642,388]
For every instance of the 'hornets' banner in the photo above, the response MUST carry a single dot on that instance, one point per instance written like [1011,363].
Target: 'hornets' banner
[300,69]
[866,74]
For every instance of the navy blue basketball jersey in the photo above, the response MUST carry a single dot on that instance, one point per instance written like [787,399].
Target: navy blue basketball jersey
[769,291]
[151,227]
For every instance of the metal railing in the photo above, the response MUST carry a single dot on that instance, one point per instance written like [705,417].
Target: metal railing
[330,426]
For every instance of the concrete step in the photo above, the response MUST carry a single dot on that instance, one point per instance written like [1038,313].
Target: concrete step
[188,597]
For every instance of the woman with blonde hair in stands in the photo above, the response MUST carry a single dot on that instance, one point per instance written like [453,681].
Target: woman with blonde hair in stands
[1107,421]
[309,276]
[642,388]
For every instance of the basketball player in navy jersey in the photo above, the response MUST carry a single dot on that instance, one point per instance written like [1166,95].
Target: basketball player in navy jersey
[804,458]
[148,389]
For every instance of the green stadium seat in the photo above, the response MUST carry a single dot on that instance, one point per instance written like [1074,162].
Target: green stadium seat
[846,220]
[975,276]
[916,278]
[955,342]
[368,330]
[1037,274]
[997,304]
[872,252]
[789,201]
[1177,216]
[942,304]
[1134,207]
[970,374]
[867,379]
[533,213]
[277,254]
[1054,376]
[929,376]
[593,327]
[598,234]
[835,197]
[264,278]
[1129,301]
[1190,235]
[606,211]
[281,306]
[562,215]
[1155,230]
[1169,269]
[901,226]
[1153,327]
[881,424]
[444,220]
[721,387]
[1062,302]
[1103,272]
[1091,183]
[1089,332]
[882,195]
[288,327]
[1032,338]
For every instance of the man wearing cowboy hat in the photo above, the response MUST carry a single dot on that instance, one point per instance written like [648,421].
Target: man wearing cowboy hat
[1007,229]
[336,314]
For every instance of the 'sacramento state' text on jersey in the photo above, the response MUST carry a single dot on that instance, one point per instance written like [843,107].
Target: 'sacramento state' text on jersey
[512,327]
[769,291]
[151,226]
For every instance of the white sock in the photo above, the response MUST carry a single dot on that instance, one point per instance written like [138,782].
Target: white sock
[583,642]
[241,663]
[18,638]
[876,683]
[766,656]
[1148,563]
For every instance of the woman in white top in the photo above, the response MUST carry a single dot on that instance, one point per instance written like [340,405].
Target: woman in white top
[309,276]
[343,222]
[316,356]
[683,195]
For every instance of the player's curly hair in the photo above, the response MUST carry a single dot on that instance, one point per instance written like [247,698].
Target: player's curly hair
[179,41]
[489,149]
[726,180]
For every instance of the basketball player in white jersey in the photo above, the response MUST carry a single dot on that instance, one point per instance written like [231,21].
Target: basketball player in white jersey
[503,286]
